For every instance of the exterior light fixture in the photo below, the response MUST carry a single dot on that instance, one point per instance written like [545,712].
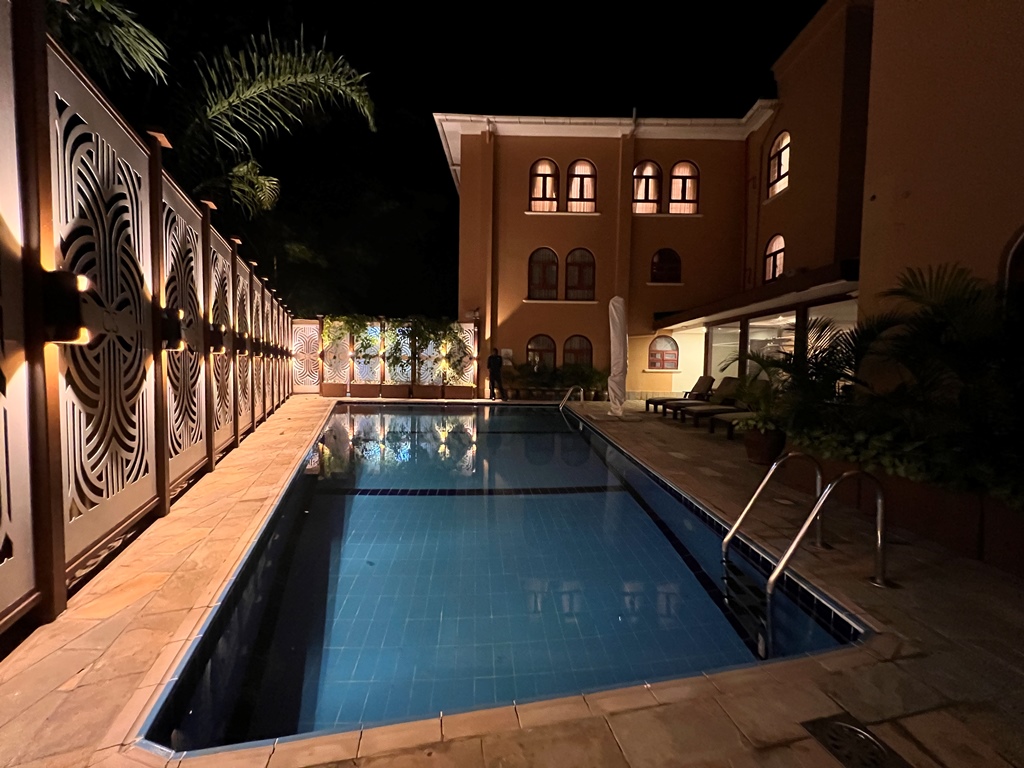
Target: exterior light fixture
[257,347]
[242,344]
[172,338]
[62,307]
[217,345]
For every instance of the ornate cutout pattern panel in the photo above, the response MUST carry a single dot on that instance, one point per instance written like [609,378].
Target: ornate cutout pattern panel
[220,261]
[306,356]
[106,393]
[468,334]
[257,362]
[17,565]
[243,362]
[185,401]
[367,356]
[337,364]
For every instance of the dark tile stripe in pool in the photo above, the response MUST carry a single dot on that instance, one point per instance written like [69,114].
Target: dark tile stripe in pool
[470,491]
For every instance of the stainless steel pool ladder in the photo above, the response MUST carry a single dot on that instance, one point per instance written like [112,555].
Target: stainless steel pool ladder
[878,579]
[768,476]
[568,394]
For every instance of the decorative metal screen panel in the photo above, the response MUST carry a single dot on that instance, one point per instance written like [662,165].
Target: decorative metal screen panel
[222,314]
[305,356]
[398,350]
[367,356]
[243,361]
[337,362]
[16,554]
[106,385]
[430,365]
[258,402]
[468,378]
[186,397]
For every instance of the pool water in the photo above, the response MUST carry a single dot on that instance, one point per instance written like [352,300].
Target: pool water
[445,559]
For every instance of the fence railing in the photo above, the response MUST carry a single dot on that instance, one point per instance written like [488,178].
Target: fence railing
[137,345]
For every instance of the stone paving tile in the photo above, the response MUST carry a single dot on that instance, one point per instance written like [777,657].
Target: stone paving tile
[952,742]
[334,748]
[484,721]
[771,715]
[464,753]
[44,677]
[899,741]
[584,743]
[880,692]
[698,729]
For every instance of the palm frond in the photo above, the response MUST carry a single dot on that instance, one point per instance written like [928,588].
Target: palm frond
[102,32]
[267,88]
[251,190]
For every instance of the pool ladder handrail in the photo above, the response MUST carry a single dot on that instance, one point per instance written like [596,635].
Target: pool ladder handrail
[568,394]
[878,579]
[764,482]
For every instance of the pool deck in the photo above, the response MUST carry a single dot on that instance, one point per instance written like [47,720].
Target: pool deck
[940,680]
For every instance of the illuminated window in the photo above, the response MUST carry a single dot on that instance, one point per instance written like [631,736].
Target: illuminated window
[663,354]
[543,274]
[582,187]
[578,351]
[544,186]
[666,267]
[540,352]
[646,187]
[579,275]
[774,258]
[778,165]
[682,195]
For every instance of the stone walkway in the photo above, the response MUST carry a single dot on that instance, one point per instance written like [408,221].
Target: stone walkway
[941,681]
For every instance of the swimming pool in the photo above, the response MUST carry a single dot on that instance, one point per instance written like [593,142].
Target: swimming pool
[432,559]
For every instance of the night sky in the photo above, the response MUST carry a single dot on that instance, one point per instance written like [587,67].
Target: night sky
[380,209]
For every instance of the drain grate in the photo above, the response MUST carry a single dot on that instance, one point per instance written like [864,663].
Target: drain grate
[852,744]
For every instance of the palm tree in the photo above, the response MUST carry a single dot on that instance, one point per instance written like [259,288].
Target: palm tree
[107,36]
[246,99]
[242,100]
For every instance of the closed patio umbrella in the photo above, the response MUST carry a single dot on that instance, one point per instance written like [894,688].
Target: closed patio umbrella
[619,342]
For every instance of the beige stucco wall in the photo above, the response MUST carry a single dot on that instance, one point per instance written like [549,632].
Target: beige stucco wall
[945,157]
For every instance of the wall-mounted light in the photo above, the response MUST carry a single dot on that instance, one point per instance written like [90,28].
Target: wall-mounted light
[62,307]
[242,344]
[171,337]
[257,347]
[217,344]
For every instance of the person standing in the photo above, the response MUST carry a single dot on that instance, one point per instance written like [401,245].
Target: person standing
[494,364]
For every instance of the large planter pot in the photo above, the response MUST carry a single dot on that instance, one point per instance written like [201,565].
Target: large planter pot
[364,390]
[394,390]
[457,392]
[426,391]
[764,447]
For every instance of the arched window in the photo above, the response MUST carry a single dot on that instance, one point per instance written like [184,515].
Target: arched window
[646,187]
[778,165]
[666,267]
[682,195]
[774,258]
[579,275]
[543,275]
[544,186]
[540,352]
[578,351]
[582,187]
[663,354]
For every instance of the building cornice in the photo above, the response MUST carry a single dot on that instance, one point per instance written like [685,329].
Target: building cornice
[452,127]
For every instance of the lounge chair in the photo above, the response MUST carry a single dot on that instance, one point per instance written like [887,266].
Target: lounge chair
[757,389]
[725,393]
[699,391]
